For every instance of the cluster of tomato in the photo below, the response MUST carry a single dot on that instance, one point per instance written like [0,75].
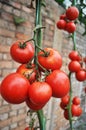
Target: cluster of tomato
[76,110]
[77,65]
[37,79]
[67,20]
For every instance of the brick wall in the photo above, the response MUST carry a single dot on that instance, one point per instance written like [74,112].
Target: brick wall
[14,117]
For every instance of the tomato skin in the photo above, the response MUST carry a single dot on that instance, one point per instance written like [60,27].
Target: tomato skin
[70,27]
[52,61]
[63,16]
[28,128]
[76,100]
[40,93]
[33,106]
[73,55]
[74,66]
[27,72]
[65,99]
[59,83]
[66,114]
[14,88]
[22,55]
[80,75]
[61,24]
[62,105]
[72,13]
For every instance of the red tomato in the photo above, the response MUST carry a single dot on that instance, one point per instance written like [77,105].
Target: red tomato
[51,61]
[28,72]
[73,55]
[40,93]
[76,100]
[72,13]
[65,99]
[33,106]
[28,128]
[63,106]
[74,66]
[59,83]
[63,16]
[85,89]
[76,110]
[21,52]
[66,115]
[70,27]
[81,75]
[14,88]
[61,24]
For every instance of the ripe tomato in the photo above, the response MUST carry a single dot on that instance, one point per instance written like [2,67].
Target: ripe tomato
[59,83]
[66,114]
[33,106]
[14,88]
[74,66]
[72,13]
[85,89]
[81,75]
[63,16]
[28,128]
[61,24]
[73,55]
[27,71]
[51,61]
[40,93]
[65,99]
[70,27]
[21,52]
[76,100]
[62,105]
[76,110]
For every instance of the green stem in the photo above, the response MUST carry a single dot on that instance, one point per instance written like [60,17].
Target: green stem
[37,42]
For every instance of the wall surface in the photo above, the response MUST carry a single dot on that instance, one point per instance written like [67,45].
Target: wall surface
[14,117]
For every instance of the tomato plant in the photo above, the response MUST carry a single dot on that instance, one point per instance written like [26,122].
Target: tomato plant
[76,100]
[14,88]
[74,66]
[81,75]
[59,83]
[70,27]
[65,99]
[22,52]
[73,55]
[61,24]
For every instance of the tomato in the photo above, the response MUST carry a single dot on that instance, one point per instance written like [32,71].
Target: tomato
[62,105]
[59,82]
[73,55]
[74,66]
[40,93]
[63,16]
[52,60]
[85,89]
[70,27]
[14,88]
[72,13]
[65,99]
[21,52]
[81,75]
[66,114]
[84,59]
[33,106]
[76,100]
[61,24]
[76,110]
[28,71]
[28,128]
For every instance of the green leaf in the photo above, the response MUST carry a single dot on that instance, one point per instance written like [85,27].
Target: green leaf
[18,20]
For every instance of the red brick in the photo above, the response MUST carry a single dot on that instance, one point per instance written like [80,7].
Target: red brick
[24,8]
[4,49]
[5,64]
[18,117]
[7,33]
[4,109]
[22,36]
[7,16]
[15,4]
[7,8]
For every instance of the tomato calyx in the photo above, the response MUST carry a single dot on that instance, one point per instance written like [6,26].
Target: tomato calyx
[22,45]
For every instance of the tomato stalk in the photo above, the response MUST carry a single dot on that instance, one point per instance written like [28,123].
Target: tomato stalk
[70,74]
[38,43]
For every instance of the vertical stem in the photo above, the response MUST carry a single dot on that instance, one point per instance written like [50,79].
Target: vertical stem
[37,42]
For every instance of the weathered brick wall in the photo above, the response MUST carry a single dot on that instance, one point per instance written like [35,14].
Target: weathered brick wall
[13,117]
